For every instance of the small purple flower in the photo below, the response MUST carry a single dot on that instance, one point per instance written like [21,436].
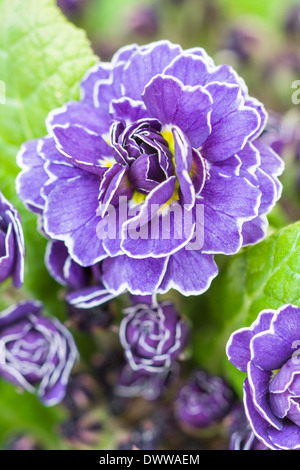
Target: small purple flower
[136,383]
[161,129]
[152,336]
[36,352]
[12,248]
[269,352]
[203,400]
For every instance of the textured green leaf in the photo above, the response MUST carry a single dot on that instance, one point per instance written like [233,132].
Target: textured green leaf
[21,412]
[42,59]
[263,276]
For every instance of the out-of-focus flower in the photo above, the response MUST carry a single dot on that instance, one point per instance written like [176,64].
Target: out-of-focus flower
[292,20]
[152,336]
[71,8]
[22,442]
[143,20]
[203,400]
[269,352]
[11,243]
[36,352]
[132,383]
[83,430]
[81,391]
[143,173]
[145,437]
[242,41]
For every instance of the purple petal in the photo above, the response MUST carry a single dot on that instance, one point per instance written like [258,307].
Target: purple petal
[190,272]
[230,134]
[71,216]
[188,108]
[89,297]
[139,276]
[82,147]
[145,63]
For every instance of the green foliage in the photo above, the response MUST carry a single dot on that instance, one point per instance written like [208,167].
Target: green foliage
[262,276]
[22,412]
[42,59]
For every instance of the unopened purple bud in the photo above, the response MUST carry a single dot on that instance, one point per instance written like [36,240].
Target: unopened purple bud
[203,400]
[152,337]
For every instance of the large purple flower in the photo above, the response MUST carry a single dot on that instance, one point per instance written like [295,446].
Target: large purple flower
[11,243]
[169,141]
[152,336]
[269,352]
[36,352]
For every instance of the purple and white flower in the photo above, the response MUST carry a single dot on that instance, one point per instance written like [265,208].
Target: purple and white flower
[203,400]
[12,248]
[152,336]
[36,352]
[156,129]
[269,352]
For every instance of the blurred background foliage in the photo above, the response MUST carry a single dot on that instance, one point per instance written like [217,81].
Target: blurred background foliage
[261,40]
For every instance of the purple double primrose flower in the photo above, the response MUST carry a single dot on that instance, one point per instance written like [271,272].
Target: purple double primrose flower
[12,248]
[152,337]
[203,400]
[157,130]
[269,352]
[36,352]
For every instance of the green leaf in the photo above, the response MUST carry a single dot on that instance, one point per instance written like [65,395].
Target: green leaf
[42,59]
[263,276]
[21,412]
